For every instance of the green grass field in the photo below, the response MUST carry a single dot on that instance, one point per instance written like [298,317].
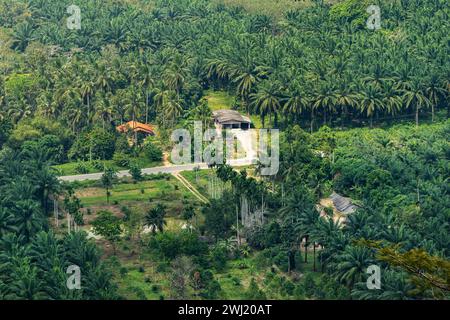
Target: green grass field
[168,190]
[148,277]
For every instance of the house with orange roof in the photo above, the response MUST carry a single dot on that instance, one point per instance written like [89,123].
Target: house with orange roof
[136,127]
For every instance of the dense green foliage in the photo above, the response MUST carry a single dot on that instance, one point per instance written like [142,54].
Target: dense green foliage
[33,260]
[316,73]
[130,63]
[396,176]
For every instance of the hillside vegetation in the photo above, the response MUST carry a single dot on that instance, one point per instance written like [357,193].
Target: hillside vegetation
[362,111]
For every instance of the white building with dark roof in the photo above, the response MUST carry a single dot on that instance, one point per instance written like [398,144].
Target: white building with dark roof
[231,119]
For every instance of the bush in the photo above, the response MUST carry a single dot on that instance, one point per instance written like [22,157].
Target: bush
[123,271]
[155,288]
[122,145]
[170,244]
[152,152]
[212,289]
[236,281]
[140,293]
[121,160]
[81,168]
[136,173]
[219,257]
[98,165]
[254,293]
[260,237]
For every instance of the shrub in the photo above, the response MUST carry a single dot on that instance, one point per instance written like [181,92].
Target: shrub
[155,288]
[121,159]
[98,165]
[136,172]
[254,293]
[82,168]
[170,244]
[219,257]
[236,281]
[140,293]
[122,145]
[123,271]
[152,152]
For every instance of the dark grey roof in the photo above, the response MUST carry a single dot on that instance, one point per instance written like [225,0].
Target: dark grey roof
[224,116]
[343,204]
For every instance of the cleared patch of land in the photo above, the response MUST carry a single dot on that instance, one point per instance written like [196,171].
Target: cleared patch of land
[218,100]
[165,190]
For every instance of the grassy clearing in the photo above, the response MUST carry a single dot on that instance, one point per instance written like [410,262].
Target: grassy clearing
[68,169]
[147,277]
[235,280]
[199,180]
[142,280]
[218,100]
[163,190]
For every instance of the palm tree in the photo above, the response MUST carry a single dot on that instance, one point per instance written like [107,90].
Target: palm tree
[23,34]
[87,91]
[435,92]
[324,99]
[134,103]
[174,76]
[266,101]
[350,266]
[105,78]
[28,218]
[203,113]
[345,98]
[27,284]
[19,111]
[104,110]
[172,108]
[295,103]
[47,185]
[301,213]
[392,100]
[155,218]
[6,221]
[415,97]
[378,76]
[147,82]
[370,101]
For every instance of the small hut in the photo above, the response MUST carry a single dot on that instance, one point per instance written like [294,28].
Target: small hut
[342,204]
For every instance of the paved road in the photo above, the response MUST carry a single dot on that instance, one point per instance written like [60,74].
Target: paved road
[166,169]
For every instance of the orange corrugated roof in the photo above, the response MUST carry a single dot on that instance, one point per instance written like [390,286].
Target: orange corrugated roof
[136,126]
